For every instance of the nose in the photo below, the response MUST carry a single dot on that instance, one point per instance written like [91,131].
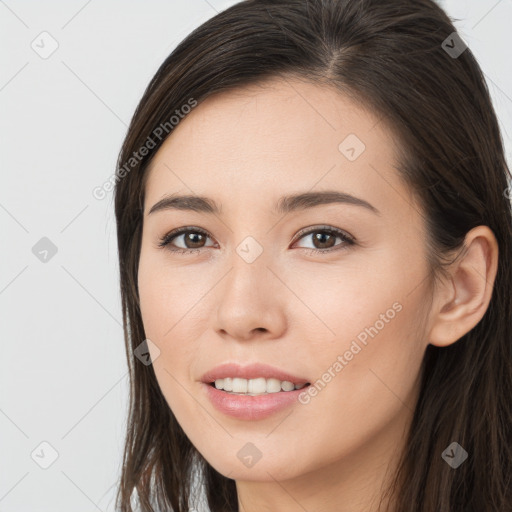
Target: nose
[252,301]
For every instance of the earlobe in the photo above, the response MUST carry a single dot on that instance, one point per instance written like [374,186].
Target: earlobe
[463,300]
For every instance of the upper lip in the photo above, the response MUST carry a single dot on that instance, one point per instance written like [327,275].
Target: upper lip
[251,371]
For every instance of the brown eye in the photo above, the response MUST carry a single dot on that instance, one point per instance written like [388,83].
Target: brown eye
[324,239]
[193,240]
[190,239]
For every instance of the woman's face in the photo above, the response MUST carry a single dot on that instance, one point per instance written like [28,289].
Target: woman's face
[350,319]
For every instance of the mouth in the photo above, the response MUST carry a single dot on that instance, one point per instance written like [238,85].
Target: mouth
[244,400]
[255,387]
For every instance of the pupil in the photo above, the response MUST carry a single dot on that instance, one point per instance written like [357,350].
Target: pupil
[319,236]
[190,238]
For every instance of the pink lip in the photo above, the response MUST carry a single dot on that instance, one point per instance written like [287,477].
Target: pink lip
[252,371]
[247,407]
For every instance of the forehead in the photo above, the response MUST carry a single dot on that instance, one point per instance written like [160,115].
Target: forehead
[277,137]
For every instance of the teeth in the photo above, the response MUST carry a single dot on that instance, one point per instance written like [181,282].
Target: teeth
[239,385]
[257,386]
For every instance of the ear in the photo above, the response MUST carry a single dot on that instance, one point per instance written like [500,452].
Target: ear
[462,300]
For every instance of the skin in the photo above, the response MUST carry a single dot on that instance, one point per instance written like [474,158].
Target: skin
[293,309]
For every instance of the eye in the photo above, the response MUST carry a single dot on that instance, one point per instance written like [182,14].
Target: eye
[193,238]
[324,239]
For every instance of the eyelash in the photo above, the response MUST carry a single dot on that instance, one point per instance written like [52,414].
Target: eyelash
[347,239]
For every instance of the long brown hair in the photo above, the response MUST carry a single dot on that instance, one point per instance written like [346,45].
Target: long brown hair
[401,59]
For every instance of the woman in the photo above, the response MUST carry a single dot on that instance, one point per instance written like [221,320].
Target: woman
[315,253]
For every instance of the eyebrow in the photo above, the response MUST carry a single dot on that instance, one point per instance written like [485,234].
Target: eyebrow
[285,204]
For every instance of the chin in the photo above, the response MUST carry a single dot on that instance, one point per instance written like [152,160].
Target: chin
[260,471]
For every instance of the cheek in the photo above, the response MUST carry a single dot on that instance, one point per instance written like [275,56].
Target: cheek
[165,320]
[173,318]
[361,300]
[369,344]
[170,297]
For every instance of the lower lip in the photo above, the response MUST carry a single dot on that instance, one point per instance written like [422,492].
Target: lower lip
[245,407]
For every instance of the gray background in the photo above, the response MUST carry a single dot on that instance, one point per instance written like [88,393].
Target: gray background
[63,376]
